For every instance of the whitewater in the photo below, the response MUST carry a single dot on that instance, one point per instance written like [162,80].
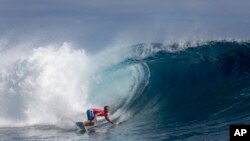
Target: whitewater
[178,91]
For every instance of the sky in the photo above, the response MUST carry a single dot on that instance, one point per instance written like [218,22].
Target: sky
[97,24]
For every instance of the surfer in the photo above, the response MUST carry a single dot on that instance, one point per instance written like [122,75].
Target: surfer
[93,113]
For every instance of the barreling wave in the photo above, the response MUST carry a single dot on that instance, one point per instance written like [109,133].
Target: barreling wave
[208,81]
[164,86]
[201,88]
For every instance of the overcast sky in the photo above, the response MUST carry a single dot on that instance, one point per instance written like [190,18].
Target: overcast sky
[95,24]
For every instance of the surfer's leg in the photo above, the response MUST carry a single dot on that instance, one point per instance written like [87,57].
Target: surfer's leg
[90,116]
[89,123]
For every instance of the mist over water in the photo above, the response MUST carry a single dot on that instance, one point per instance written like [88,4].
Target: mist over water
[170,70]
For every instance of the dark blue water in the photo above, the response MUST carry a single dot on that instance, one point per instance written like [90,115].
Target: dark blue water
[190,94]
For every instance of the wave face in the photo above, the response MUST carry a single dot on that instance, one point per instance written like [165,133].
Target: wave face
[189,91]
[208,81]
[197,91]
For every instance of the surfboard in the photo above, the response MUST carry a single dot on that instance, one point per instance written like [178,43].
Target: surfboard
[81,126]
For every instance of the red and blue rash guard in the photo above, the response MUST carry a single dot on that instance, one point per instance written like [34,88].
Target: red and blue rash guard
[101,112]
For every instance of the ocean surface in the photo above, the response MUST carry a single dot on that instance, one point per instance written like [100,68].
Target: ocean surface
[180,91]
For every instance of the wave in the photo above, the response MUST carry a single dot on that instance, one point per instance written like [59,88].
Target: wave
[157,84]
[202,83]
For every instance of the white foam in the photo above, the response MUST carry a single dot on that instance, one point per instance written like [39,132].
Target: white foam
[50,83]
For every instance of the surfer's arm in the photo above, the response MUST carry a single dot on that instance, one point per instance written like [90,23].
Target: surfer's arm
[107,118]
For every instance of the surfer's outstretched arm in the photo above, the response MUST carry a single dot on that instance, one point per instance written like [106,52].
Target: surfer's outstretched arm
[107,118]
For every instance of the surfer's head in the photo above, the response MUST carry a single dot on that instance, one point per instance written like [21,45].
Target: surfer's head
[106,109]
